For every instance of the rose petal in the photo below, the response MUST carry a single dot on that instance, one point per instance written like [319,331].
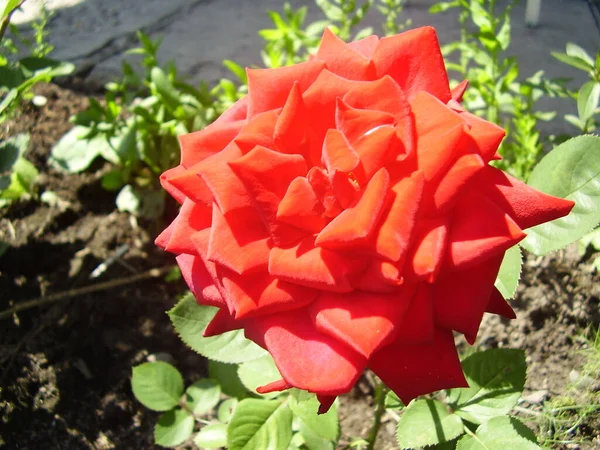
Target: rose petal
[498,305]
[342,59]
[237,111]
[355,123]
[527,207]
[337,153]
[365,46]
[269,88]
[201,144]
[418,326]
[364,321]
[479,231]
[393,236]
[414,60]
[259,131]
[199,191]
[376,149]
[323,189]
[306,358]
[222,322]
[313,266]
[239,240]
[487,136]
[426,254]
[262,293]
[459,90]
[192,217]
[379,277]
[460,298]
[413,370]
[199,280]
[355,224]
[301,207]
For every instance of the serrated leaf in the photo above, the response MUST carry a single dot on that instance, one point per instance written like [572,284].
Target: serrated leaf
[500,433]
[190,320]
[226,409]
[312,441]
[213,435]
[259,372]
[510,272]
[587,100]
[425,423]
[173,428]
[227,377]
[202,396]
[157,385]
[325,426]
[260,425]
[571,171]
[496,378]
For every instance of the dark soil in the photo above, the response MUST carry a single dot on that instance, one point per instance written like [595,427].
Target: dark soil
[65,366]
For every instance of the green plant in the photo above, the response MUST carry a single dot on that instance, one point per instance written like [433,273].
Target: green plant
[19,74]
[291,42]
[391,11]
[495,90]
[136,129]
[588,95]
[17,175]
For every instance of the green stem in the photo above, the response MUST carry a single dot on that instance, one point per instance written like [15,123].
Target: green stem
[6,19]
[380,392]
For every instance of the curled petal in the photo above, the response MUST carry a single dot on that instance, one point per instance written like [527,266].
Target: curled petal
[376,149]
[259,131]
[301,207]
[498,305]
[355,224]
[262,293]
[487,136]
[325,402]
[221,323]
[414,60]
[355,123]
[458,91]
[364,321]
[192,217]
[479,231]
[337,153]
[237,111]
[393,236]
[419,369]
[181,183]
[306,358]
[269,88]
[274,386]
[379,277]
[238,241]
[343,60]
[365,46]
[199,280]
[313,266]
[460,298]
[426,255]
[201,144]
[323,189]
[527,206]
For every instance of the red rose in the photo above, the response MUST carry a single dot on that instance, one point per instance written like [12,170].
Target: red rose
[345,216]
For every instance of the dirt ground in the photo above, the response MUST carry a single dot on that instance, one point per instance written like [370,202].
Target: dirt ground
[65,367]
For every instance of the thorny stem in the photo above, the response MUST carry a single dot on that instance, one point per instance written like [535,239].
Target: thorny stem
[380,392]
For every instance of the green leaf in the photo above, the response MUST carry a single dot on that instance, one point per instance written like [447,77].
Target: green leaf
[425,423]
[392,401]
[496,378]
[164,87]
[590,239]
[325,426]
[113,180]
[157,385]
[173,428]
[500,433]
[313,441]
[11,150]
[237,70]
[226,409]
[442,6]
[571,171]
[575,51]
[7,6]
[212,436]
[587,100]
[145,203]
[190,320]
[259,372]
[202,396]
[510,272]
[260,425]
[227,376]
[74,154]
[572,61]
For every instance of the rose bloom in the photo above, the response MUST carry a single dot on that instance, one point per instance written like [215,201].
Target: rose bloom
[345,216]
